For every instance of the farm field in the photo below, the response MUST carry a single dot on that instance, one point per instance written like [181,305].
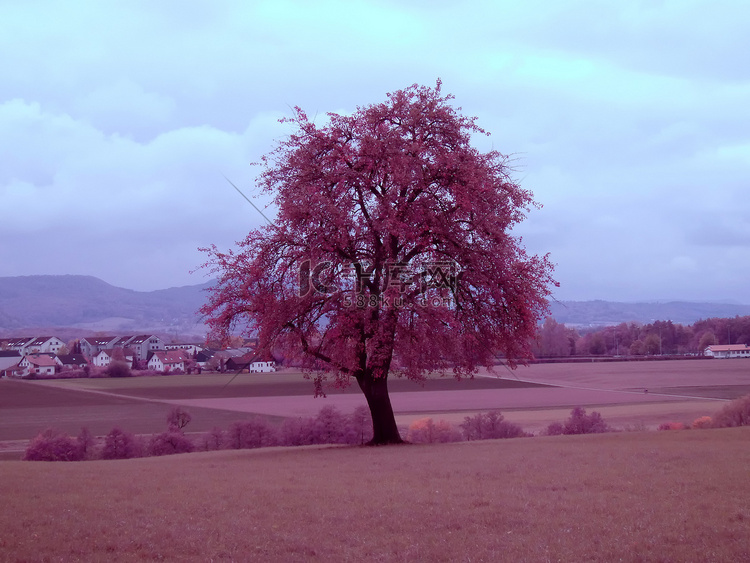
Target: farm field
[531,396]
[654,496]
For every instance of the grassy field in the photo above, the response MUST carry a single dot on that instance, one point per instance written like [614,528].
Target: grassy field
[655,496]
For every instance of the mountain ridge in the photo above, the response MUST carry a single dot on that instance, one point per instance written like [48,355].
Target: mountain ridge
[89,303]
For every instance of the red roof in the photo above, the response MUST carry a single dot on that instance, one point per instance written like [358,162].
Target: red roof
[728,347]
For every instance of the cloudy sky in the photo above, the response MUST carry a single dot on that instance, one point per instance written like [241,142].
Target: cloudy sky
[630,122]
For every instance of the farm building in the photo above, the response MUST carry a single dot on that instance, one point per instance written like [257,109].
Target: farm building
[728,351]
[167,360]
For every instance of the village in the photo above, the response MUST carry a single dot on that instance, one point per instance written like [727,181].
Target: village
[49,356]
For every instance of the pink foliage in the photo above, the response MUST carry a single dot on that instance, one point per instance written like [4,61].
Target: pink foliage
[53,445]
[427,431]
[120,445]
[488,426]
[168,443]
[735,413]
[178,418]
[391,251]
[579,423]
[672,426]
[254,433]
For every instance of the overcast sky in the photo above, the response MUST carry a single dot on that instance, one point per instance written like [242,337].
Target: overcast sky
[630,122]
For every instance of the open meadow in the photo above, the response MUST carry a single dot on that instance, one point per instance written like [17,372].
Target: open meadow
[628,395]
[630,496]
[638,496]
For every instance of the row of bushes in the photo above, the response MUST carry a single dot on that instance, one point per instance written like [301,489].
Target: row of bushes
[733,414]
[330,426]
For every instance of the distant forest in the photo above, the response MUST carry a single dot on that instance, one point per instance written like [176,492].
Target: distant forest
[634,339]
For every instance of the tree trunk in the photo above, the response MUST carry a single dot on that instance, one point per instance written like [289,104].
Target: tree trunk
[384,429]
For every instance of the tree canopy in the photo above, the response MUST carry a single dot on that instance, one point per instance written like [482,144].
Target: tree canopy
[392,251]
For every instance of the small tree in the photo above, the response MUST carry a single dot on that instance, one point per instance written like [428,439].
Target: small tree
[178,419]
[120,445]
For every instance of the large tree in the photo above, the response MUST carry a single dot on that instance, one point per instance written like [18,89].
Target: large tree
[391,253]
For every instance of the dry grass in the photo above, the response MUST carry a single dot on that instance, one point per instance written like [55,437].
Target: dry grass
[667,496]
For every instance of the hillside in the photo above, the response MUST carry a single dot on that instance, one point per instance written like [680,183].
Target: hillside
[602,313]
[86,302]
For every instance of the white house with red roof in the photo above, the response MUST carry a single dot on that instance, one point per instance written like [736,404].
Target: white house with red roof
[105,357]
[168,360]
[728,351]
[39,364]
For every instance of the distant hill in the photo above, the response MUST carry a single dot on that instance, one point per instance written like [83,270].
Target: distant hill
[86,302]
[599,313]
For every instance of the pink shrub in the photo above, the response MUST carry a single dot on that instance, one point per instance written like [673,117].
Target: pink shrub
[297,432]
[86,443]
[168,443]
[53,445]
[672,426]
[253,433]
[734,413]
[488,426]
[579,423]
[360,426]
[427,431]
[214,440]
[702,422]
[120,445]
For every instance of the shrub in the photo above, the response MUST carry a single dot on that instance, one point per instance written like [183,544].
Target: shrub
[332,427]
[297,432]
[579,423]
[672,426]
[168,443]
[253,433]
[53,445]
[360,425]
[120,445]
[86,443]
[488,426]
[734,413]
[426,431]
[214,440]
[702,422]
[118,369]
[177,419]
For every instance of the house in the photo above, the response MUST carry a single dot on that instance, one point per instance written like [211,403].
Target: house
[251,362]
[728,351]
[16,344]
[168,360]
[142,345]
[73,361]
[9,360]
[39,364]
[105,357]
[188,347]
[92,345]
[43,345]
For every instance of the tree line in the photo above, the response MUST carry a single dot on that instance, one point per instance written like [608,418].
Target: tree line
[554,339]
